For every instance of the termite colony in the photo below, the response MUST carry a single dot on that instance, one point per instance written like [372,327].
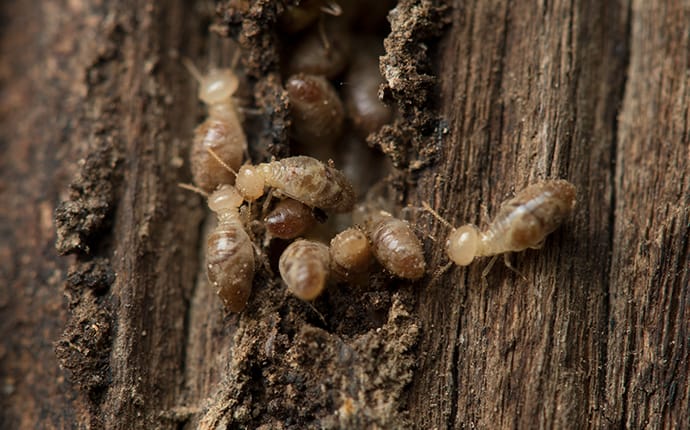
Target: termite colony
[332,90]
[333,97]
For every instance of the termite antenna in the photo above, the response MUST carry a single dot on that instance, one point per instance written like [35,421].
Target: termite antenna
[324,37]
[235,58]
[193,188]
[323,320]
[332,8]
[509,265]
[222,163]
[189,64]
[437,216]
[485,272]
[440,272]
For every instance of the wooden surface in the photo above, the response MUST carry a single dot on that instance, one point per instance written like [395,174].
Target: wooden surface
[96,113]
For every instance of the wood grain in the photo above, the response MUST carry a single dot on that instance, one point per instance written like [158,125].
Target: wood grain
[96,116]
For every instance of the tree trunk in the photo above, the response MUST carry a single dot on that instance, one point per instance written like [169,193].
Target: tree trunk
[97,116]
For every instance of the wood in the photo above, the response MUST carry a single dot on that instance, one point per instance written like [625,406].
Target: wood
[96,114]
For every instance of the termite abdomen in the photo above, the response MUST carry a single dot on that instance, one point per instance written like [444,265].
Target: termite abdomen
[525,220]
[315,108]
[367,112]
[304,266]
[351,253]
[226,139]
[395,245]
[289,219]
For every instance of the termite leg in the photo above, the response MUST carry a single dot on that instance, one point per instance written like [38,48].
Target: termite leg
[332,8]
[486,271]
[250,111]
[267,203]
[508,264]
[191,67]
[323,320]
[324,37]
[437,216]
[193,188]
[438,273]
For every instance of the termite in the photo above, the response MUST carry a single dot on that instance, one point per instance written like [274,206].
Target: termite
[302,178]
[221,132]
[305,266]
[316,110]
[367,112]
[229,250]
[300,15]
[522,222]
[324,53]
[395,245]
[289,219]
[351,253]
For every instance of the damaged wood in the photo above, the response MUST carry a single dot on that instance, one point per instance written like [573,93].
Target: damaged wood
[96,118]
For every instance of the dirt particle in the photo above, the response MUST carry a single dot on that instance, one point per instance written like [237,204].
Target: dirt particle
[86,211]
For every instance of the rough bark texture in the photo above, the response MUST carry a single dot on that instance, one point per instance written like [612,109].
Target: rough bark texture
[96,119]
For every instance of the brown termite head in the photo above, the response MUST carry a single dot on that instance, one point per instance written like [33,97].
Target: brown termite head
[367,112]
[289,219]
[395,245]
[323,53]
[230,253]
[304,266]
[522,222]
[350,252]
[302,13]
[315,108]
[302,178]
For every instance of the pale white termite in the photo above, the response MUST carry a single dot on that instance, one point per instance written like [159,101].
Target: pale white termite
[302,178]
[522,222]
[220,133]
[305,266]
[230,252]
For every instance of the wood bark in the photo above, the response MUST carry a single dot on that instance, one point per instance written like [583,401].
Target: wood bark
[96,116]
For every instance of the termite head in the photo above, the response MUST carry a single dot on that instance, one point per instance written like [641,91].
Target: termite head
[463,244]
[218,86]
[250,182]
[224,199]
